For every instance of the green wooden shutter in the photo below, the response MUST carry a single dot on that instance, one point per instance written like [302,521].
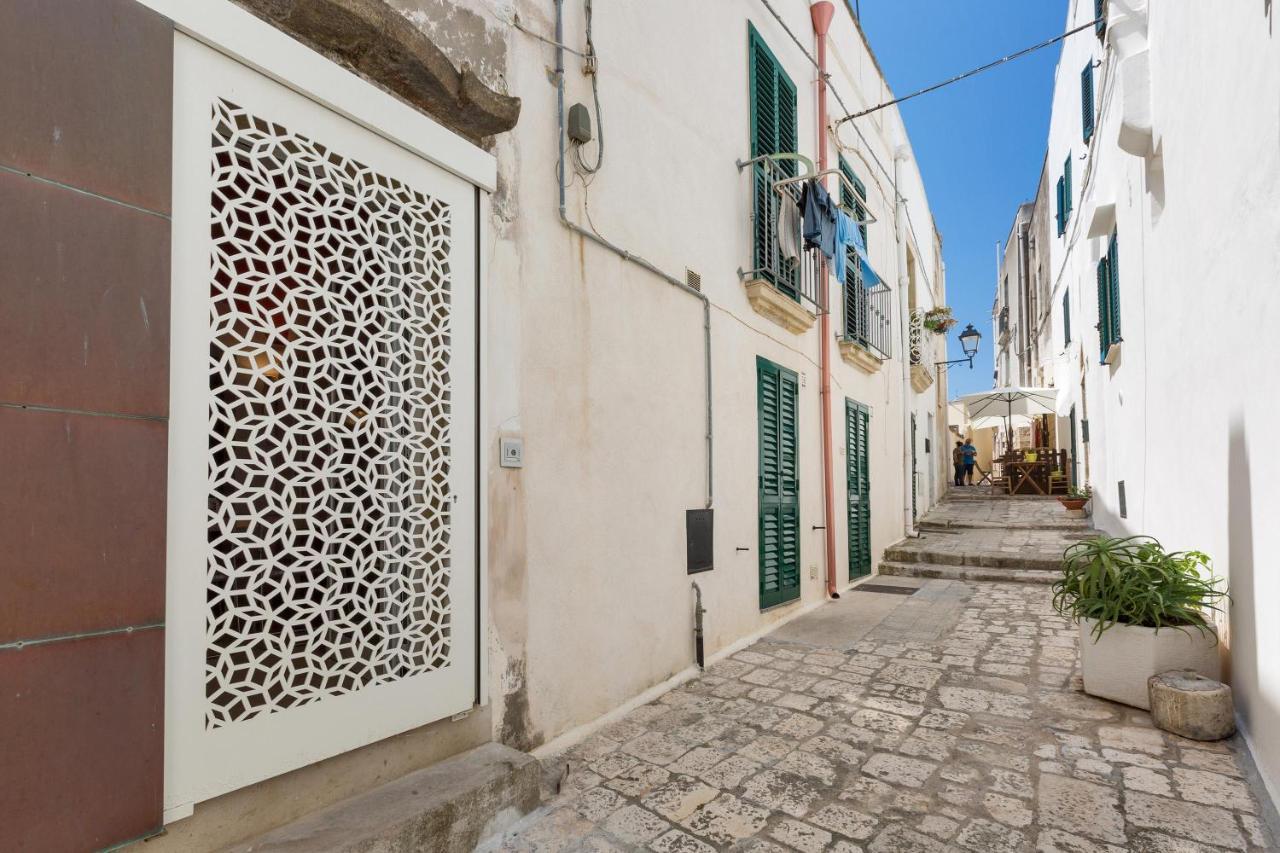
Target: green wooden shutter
[1058,213]
[1066,317]
[1100,16]
[773,131]
[777,391]
[1104,311]
[1086,100]
[1066,192]
[857,456]
[1113,280]
[856,322]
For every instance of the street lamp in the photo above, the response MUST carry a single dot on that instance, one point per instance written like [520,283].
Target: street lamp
[969,339]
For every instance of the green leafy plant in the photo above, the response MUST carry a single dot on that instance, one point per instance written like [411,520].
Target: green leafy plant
[1135,581]
[938,320]
[1079,493]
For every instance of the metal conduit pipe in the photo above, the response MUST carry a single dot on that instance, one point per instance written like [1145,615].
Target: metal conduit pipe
[904,313]
[623,253]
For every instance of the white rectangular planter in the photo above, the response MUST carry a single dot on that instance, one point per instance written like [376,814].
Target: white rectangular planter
[1118,665]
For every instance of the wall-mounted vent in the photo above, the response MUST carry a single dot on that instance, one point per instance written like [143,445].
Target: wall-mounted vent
[1084,430]
[692,279]
[1124,506]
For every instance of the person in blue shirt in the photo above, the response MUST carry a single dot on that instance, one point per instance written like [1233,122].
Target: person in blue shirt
[970,456]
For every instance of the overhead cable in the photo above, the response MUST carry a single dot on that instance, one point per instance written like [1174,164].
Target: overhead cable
[967,74]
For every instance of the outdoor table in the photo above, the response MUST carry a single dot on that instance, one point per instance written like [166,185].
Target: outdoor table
[1028,478]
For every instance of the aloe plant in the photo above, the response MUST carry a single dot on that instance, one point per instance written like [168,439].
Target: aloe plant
[1134,581]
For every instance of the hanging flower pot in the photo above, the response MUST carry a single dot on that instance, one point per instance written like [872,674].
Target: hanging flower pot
[938,320]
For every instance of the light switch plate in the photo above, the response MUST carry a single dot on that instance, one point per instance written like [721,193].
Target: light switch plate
[511,452]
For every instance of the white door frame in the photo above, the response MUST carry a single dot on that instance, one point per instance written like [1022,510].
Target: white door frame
[240,36]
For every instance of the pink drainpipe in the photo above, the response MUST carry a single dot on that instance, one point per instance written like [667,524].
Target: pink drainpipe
[821,13]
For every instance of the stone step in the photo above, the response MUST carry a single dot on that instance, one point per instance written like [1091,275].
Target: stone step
[448,807]
[908,551]
[1081,526]
[967,573]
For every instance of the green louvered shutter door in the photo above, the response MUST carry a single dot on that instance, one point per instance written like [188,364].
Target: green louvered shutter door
[779,484]
[1066,192]
[764,135]
[773,131]
[855,296]
[857,455]
[1113,281]
[1086,100]
[1104,312]
[1062,220]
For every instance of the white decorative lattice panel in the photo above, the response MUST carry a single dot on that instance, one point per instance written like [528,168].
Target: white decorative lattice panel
[329,424]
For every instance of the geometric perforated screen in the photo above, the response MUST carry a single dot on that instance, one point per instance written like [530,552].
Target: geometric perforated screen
[329,506]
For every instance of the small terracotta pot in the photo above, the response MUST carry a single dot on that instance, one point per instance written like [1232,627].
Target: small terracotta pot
[1073,503]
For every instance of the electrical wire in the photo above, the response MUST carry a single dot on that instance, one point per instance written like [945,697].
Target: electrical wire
[591,69]
[515,22]
[926,90]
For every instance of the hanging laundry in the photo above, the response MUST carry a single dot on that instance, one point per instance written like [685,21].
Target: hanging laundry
[845,231]
[788,228]
[819,219]
[869,276]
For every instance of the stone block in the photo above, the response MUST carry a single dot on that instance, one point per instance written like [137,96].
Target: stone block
[450,806]
[1188,704]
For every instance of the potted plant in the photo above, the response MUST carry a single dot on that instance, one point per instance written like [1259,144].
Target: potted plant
[938,320]
[1142,610]
[1075,498]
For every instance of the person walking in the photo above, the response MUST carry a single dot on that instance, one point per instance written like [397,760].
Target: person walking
[970,455]
[957,459]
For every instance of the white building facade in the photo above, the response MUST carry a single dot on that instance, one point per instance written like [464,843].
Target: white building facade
[599,359]
[1158,281]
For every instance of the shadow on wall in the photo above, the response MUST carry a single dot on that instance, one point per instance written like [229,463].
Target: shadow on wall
[1242,632]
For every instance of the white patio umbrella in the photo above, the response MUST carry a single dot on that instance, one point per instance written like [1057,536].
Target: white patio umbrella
[1009,403]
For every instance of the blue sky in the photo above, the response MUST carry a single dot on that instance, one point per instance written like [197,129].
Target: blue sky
[980,142]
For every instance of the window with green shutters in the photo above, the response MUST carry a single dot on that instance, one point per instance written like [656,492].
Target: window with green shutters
[1066,317]
[1060,208]
[1066,189]
[1086,100]
[1109,298]
[773,131]
[776,393]
[1064,196]
[1100,17]
[857,455]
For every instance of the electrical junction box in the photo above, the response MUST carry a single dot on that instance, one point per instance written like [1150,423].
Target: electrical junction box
[511,452]
[579,124]
[699,539]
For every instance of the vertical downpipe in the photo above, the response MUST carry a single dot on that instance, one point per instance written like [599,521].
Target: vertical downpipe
[698,654]
[820,14]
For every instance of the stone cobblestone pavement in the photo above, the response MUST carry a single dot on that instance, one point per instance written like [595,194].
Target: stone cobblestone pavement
[966,731]
[978,508]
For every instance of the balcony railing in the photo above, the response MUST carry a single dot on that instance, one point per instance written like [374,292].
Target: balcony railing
[868,316]
[915,337]
[798,278]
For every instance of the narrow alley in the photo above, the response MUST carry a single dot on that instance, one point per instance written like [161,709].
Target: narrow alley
[431,426]
[914,714]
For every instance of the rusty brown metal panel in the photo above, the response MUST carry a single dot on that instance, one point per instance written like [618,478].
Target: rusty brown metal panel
[82,522]
[81,742]
[87,95]
[85,286]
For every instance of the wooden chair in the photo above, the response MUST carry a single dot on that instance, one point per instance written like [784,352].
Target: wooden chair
[1058,482]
